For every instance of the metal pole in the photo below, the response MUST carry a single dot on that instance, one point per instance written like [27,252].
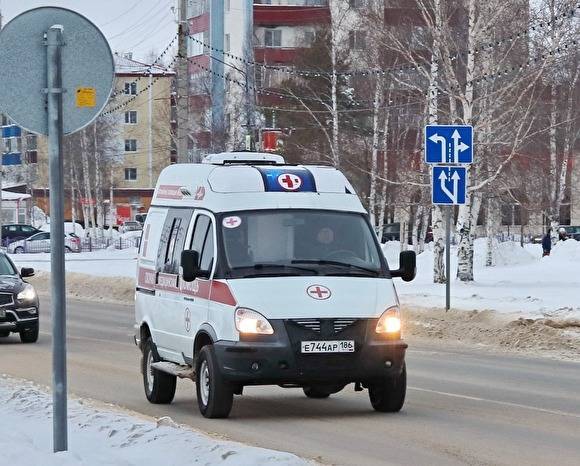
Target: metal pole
[217,68]
[182,87]
[448,257]
[57,282]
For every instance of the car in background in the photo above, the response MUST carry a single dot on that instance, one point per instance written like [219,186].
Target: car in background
[141,218]
[18,302]
[130,226]
[40,242]
[392,232]
[573,232]
[17,231]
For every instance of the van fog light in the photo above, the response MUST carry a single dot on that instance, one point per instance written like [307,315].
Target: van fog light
[388,363]
[389,321]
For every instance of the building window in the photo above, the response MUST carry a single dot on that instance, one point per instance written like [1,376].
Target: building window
[32,142]
[273,38]
[130,174]
[31,156]
[130,145]
[309,38]
[131,88]
[227,43]
[196,44]
[131,117]
[357,40]
[357,3]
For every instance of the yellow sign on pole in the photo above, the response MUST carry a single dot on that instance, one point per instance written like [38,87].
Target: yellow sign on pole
[86,97]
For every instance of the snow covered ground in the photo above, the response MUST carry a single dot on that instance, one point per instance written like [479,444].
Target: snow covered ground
[522,281]
[102,263]
[99,436]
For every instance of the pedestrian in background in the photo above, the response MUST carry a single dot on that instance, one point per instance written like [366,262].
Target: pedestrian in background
[562,234]
[547,243]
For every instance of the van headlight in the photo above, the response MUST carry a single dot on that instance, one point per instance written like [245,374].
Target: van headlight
[27,294]
[389,322]
[252,322]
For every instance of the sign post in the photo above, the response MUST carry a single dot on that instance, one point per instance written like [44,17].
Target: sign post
[448,148]
[56,174]
[57,76]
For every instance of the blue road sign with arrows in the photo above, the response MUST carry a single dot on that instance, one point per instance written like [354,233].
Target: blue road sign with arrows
[448,144]
[449,185]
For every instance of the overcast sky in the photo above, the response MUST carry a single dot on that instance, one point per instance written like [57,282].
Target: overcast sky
[138,26]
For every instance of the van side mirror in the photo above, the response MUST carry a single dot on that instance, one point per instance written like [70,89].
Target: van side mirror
[26,272]
[190,265]
[407,266]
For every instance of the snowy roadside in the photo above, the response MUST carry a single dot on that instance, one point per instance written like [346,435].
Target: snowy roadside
[522,283]
[102,435]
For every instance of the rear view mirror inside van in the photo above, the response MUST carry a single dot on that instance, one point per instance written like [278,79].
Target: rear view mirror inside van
[190,265]
[407,266]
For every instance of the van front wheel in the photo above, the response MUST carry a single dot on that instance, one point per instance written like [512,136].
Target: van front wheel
[387,395]
[159,386]
[214,396]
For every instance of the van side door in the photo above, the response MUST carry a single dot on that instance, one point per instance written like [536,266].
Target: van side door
[169,319]
[196,294]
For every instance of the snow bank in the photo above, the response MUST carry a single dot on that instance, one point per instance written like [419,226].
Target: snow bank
[522,282]
[105,437]
[104,263]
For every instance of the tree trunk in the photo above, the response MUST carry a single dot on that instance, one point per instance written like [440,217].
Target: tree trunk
[375,151]
[87,185]
[468,213]
[491,222]
[334,91]
[466,224]
[98,185]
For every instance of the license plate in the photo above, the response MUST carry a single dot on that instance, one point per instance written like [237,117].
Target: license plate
[2,314]
[337,346]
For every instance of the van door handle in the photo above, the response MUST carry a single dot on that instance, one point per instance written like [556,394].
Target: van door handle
[188,299]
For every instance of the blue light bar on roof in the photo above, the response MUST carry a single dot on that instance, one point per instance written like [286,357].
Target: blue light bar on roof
[287,180]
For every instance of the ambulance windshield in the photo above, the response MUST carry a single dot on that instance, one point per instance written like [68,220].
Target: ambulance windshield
[299,242]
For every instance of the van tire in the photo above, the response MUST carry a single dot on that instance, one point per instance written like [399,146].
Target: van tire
[159,386]
[315,392]
[388,395]
[214,395]
[29,335]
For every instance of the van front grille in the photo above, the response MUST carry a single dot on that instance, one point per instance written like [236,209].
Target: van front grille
[316,325]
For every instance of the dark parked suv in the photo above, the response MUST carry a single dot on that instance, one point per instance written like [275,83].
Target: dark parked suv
[17,231]
[18,302]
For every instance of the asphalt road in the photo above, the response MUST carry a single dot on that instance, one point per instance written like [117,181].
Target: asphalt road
[463,406]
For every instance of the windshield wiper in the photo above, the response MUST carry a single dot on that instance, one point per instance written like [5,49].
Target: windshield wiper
[275,266]
[337,263]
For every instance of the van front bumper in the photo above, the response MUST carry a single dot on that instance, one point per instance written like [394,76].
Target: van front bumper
[278,359]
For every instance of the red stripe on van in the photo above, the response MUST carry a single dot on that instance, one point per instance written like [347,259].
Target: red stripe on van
[212,290]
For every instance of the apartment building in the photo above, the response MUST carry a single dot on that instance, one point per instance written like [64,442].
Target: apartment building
[140,144]
[277,30]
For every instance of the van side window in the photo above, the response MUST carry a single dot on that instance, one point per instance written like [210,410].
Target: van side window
[172,241]
[202,224]
[207,254]
[170,265]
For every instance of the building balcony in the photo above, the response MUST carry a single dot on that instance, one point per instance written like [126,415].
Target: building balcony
[294,14]
[199,24]
[277,55]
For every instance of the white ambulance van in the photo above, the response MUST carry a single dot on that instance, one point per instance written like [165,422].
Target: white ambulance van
[255,272]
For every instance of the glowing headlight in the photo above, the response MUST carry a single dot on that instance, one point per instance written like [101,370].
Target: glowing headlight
[389,322]
[248,321]
[27,294]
